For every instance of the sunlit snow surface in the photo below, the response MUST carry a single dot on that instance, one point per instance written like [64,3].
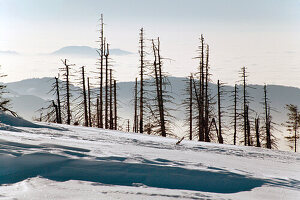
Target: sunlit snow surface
[66,162]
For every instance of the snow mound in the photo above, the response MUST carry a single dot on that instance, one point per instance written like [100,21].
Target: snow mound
[141,166]
[8,121]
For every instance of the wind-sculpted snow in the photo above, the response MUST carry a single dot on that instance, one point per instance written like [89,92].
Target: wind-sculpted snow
[115,172]
[133,165]
[9,122]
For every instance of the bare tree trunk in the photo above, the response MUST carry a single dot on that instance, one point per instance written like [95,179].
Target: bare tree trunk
[201,93]
[245,105]
[58,100]
[158,81]
[257,132]
[89,100]
[268,132]
[235,114]
[296,128]
[191,108]
[135,108]
[111,122]
[86,123]
[142,66]
[115,106]
[106,87]
[101,73]
[206,109]
[98,112]
[67,74]
[248,126]
[162,114]
[220,137]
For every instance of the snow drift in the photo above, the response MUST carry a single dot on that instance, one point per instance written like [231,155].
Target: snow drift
[143,166]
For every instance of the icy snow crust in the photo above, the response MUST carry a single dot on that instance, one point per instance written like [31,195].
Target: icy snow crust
[50,161]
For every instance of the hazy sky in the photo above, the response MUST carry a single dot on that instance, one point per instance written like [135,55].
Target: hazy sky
[260,34]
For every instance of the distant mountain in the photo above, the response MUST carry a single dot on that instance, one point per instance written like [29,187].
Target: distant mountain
[9,53]
[86,51]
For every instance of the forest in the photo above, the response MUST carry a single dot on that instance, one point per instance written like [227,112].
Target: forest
[97,104]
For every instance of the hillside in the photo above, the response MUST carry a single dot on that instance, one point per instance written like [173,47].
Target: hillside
[50,161]
[31,94]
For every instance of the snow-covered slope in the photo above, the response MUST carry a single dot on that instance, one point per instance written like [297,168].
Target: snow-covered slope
[50,161]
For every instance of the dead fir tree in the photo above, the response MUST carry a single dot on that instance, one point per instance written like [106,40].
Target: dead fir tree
[142,73]
[187,104]
[159,111]
[267,119]
[135,118]
[292,125]
[5,102]
[101,52]
[207,98]
[158,83]
[234,112]
[106,86]
[89,102]
[257,132]
[67,95]
[246,110]
[200,117]
[85,104]
[111,119]
[57,88]
[115,106]
[191,108]
[220,112]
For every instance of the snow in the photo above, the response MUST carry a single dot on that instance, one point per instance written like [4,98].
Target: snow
[50,161]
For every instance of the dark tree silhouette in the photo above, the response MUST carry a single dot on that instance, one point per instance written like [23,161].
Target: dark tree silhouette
[67,96]
[292,125]
[142,72]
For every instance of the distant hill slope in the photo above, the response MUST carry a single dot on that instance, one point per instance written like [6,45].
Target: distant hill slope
[37,90]
[86,51]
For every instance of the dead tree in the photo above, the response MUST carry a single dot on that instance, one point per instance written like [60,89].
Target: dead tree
[207,98]
[292,125]
[111,123]
[98,112]
[115,106]
[267,119]
[234,114]
[4,102]
[89,102]
[257,132]
[58,100]
[246,109]
[187,103]
[86,117]
[101,53]
[202,137]
[220,137]
[191,109]
[106,87]
[135,124]
[66,76]
[159,112]
[142,71]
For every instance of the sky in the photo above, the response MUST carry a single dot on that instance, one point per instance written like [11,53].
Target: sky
[262,35]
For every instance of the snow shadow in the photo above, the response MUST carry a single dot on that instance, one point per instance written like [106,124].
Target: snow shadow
[60,168]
